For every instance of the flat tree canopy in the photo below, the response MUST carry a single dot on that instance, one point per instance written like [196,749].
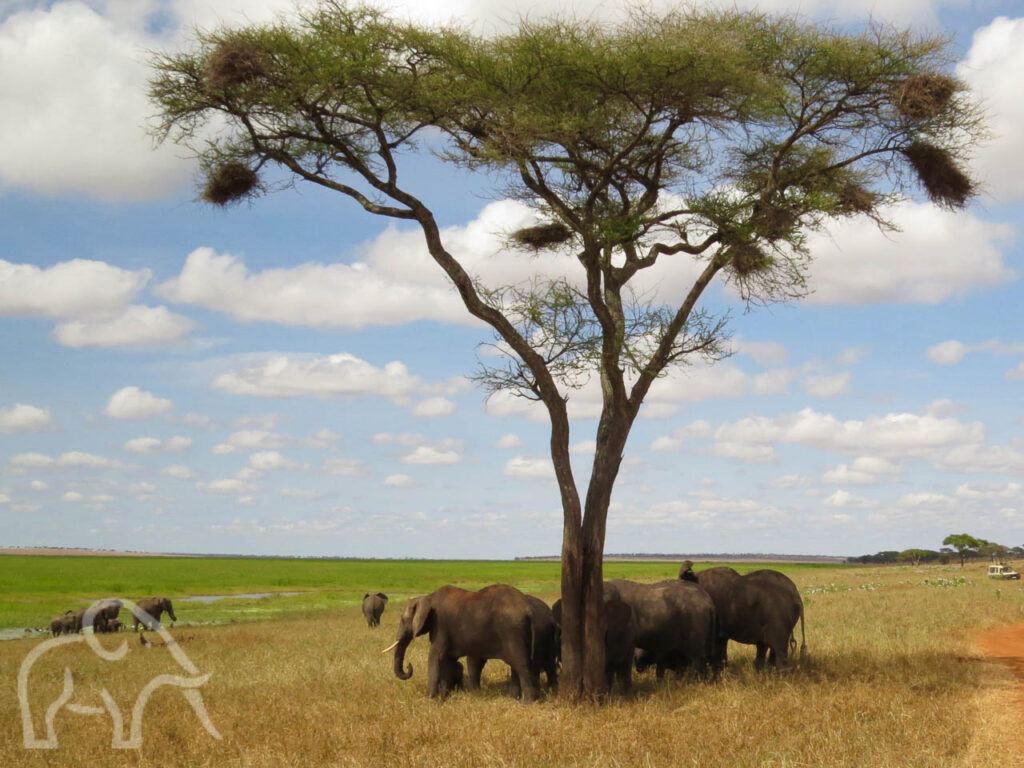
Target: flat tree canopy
[720,138]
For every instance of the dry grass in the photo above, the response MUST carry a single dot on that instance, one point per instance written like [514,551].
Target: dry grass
[893,681]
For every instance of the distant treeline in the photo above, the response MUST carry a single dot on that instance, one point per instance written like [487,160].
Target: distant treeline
[731,557]
[976,549]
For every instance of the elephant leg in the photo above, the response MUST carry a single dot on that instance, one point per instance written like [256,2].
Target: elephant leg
[435,660]
[721,655]
[660,671]
[475,667]
[552,673]
[762,652]
[515,688]
[524,679]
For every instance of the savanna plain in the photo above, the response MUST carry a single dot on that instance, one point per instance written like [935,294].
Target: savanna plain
[894,676]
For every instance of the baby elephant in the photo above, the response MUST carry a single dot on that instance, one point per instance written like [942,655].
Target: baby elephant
[373,607]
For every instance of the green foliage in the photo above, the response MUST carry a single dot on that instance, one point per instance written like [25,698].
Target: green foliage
[34,588]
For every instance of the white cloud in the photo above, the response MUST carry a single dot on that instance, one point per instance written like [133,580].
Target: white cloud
[134,403]
[992,70]
[852,356]
[24,418]
[340,375]
[893,435]
[178,472]
[72,496]
[846,500]
[88,134]
[266,461]
[399,481]
[1016,374]
[133,326]
[509,441]
[433,407]
[30,461]
[341,467]
[828,385]
[39,485]
[427,454]
[980,458]
[535,468]
[925,263]
[87,460]
[224,485]
[252,440]
[947,353]
[696,430]
[584,447]
[865,470]
[154,445]
[68,289]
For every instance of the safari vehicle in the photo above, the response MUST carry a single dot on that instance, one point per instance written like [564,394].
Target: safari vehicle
[1000,571]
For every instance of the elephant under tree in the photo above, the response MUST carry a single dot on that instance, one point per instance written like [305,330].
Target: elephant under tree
[373,607]
[494,623]
[760,608]
[544,657]
[149,610]
[675,622]
[619,641]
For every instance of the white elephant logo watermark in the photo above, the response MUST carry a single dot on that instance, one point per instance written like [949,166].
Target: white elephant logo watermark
[189,685]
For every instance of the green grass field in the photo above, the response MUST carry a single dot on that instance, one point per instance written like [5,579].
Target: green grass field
[894,677]
[35,588]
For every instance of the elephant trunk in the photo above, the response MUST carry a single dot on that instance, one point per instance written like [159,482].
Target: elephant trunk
[403,643]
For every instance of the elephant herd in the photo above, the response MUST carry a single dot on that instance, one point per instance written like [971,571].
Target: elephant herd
[102,616]
[681,625]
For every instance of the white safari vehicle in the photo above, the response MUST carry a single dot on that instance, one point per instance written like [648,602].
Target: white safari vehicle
[999,571]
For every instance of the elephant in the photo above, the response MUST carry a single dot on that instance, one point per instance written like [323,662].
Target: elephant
[149,610]
[494,623]
[104,614]
[373,607]
[760,608]
[63,625]
[110,625]
[126,731]
[544,657]
[619,641]
[676,623]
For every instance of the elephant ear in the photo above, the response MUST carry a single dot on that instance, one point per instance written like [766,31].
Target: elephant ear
[422,620]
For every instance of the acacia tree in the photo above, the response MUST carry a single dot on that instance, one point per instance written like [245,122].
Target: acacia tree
[718,138]
[964,544]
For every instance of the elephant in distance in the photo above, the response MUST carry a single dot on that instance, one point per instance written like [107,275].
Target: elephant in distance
[373,607]
[148,611]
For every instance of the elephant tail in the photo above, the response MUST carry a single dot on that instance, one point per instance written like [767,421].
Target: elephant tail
[803,637]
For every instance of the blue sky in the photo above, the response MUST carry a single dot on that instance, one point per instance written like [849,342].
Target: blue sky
[289,377]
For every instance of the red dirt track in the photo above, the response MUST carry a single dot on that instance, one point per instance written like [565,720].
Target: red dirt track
[1006,645]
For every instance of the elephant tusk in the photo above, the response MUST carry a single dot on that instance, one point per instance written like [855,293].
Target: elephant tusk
[390,647]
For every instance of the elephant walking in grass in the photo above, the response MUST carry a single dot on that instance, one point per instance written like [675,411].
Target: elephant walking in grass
[760,608]
[373,607]
[494,623]
[149,610]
